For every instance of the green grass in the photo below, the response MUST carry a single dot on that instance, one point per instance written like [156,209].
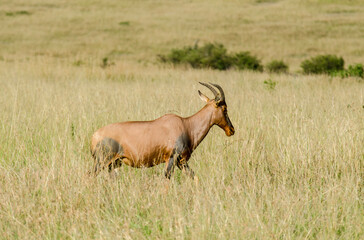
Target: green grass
[293,170]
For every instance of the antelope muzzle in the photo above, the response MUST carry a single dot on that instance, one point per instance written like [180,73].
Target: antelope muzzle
[229,129]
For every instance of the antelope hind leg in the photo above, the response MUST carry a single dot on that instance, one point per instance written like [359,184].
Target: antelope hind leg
[170,165]
[113,167]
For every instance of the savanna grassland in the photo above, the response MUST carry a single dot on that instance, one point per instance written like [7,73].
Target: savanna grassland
[293,170]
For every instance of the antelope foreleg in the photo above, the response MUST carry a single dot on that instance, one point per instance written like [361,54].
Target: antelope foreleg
[186,169]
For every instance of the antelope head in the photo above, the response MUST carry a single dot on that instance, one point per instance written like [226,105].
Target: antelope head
[219,108]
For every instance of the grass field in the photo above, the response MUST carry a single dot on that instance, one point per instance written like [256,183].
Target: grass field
[293,170]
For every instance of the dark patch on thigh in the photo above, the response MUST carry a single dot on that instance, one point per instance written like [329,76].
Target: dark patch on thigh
[108,147]
[182,145]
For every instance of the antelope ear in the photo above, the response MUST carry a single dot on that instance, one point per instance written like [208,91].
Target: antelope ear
[203,97]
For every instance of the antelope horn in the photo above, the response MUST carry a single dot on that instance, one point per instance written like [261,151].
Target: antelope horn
[211,88]
[222,94]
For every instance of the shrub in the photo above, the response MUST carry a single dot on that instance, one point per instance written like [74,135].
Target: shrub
[277,67]
[175,56]
[22,12]
[356,71]
[323,64]
[208,56]
[125,23]
[105,63]
[352,71]
[270,84]
[244,60]
[215,56]
[78,63]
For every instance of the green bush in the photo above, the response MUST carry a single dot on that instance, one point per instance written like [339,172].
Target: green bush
[208,56]
[244,60]
[125,23]
[270,84]
[323,64]
[277,67]
[22,12]
[106,63]
[213,56]
[355,71]
[352,71]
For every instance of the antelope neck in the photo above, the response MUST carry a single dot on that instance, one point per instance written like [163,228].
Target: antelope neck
[199,125]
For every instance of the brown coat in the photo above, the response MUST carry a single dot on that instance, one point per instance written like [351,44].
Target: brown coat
[169,139]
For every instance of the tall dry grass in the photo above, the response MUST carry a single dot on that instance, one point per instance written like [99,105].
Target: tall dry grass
[293,170]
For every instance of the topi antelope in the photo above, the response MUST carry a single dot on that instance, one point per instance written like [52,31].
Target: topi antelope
[170,138]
